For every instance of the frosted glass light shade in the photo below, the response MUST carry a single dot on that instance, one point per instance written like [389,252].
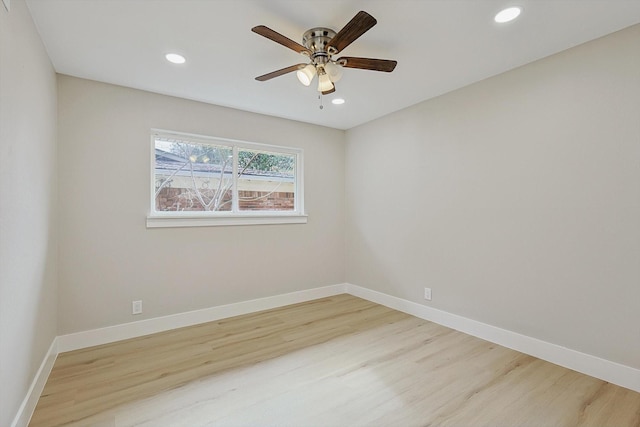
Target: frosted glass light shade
[324,83]
[333,70]
[305,75]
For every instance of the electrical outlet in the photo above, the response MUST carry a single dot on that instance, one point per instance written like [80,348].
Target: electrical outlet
[427,294]
[136,307]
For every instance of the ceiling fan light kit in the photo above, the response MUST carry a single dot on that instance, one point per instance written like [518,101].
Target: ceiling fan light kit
[324,82]
[306,74]
[320,44]
[334,71]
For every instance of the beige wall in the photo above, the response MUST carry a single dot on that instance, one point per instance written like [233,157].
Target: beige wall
[107,256]
[27,206]
[516,199]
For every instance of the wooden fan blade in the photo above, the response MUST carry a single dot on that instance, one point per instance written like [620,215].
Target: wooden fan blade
[385,65]
[360,24]
[280,72]
[279,38]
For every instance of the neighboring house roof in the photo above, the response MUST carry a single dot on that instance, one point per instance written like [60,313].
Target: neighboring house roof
[169,162]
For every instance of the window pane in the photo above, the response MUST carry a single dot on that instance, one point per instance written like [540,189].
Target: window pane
[266,181]
[192,177]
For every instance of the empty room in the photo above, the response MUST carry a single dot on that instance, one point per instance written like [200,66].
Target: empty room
[319,213]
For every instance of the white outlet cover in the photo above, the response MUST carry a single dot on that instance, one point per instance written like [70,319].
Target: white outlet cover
[427,294]
[136,307]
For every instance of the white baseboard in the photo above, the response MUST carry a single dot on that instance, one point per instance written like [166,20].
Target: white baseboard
[612,372]
[125,331]
[110,334]
[615,373]
[37,385]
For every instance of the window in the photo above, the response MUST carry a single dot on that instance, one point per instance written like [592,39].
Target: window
[199,181]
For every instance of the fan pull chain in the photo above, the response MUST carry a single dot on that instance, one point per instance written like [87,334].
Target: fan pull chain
[320,98]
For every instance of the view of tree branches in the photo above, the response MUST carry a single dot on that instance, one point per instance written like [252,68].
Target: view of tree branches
[209,168]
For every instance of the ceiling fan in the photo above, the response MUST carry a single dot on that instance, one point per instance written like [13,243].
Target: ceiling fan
[320,44]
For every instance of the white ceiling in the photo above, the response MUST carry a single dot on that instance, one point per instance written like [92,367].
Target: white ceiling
[440,45]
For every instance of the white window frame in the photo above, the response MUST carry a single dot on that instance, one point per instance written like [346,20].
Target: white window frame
[224,218]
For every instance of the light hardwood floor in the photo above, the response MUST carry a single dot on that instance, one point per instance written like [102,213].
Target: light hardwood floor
[338,361]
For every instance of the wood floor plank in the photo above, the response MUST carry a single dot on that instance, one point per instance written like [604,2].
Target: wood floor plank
[338,361]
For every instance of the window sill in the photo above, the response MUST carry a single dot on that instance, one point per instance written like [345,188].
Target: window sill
[166,221]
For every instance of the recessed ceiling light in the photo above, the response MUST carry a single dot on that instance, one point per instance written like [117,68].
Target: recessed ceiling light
[337,101]
[175,58]
[508,14]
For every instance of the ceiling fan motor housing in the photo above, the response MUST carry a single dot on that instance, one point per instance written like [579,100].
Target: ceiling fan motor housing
[316,40]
